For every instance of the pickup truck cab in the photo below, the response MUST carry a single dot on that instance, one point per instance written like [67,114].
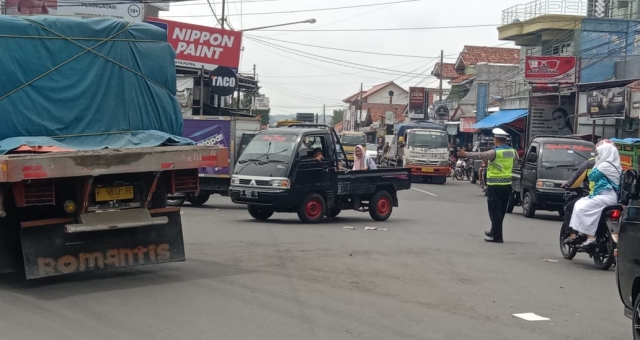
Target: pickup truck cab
[548,163]
[301,169]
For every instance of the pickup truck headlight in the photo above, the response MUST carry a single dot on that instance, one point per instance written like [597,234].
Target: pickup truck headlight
[544,184]
[235,180]
[280,183]
[409,161]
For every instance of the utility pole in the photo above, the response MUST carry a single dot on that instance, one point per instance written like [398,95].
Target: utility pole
[222,20]
[357,122]
[324,114]
[441,68]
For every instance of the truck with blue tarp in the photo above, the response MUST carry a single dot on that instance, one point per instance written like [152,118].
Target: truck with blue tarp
[90,146]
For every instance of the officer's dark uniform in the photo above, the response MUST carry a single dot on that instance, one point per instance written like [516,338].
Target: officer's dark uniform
[499,172]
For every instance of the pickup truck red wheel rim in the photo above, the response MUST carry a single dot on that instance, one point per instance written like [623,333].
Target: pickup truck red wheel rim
[384,204]
[312,209]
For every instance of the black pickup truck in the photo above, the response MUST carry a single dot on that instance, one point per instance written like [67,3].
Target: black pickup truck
[302,169]
[548,162]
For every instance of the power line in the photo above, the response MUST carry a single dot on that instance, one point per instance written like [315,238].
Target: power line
[332,8]
[339,49]
[386,29]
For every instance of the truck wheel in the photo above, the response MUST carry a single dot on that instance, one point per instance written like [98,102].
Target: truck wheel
[333,212]
[635,320]
[312,210]
[199,199]
[175,201]
[380,206]
[528,207]
[259,213]
[511,203]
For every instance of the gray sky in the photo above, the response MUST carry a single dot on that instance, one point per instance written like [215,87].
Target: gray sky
[296,83]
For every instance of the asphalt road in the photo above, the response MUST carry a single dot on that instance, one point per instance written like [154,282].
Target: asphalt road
[431,276]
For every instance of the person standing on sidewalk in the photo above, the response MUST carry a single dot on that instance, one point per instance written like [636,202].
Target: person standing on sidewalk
[500,161]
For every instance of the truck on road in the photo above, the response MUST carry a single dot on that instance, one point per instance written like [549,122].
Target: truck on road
[301,169]
[90,146]
[232,133]
[424,150]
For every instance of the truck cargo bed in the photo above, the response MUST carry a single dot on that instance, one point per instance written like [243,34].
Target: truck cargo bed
[19,167]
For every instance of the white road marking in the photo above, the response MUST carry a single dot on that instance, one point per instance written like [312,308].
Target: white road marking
[426,192]
[531,317]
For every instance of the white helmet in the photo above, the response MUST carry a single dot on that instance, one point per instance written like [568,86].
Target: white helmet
[499,133]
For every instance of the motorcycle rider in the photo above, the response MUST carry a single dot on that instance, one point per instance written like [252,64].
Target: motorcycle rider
[606,177]
[579,178]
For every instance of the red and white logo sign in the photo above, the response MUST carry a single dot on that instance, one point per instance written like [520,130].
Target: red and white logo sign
[196,45]
[550,70]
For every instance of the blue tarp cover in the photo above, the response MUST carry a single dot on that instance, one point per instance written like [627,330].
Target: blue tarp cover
[53,86]
[500,117]
[626,140]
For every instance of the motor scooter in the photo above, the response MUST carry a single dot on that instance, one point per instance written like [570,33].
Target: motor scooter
[460,170]
[602,251]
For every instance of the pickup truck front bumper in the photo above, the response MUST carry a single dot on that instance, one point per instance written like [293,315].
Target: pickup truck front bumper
[423,170]
[549,198]
[262,196]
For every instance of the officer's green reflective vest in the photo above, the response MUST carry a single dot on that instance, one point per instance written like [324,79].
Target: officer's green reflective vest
[499,171]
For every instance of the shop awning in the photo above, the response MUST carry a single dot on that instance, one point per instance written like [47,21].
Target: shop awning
[500,117]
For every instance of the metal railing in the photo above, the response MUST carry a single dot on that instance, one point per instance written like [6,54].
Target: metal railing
[538,8]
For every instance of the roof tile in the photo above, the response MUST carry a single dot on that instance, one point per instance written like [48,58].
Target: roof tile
[448,70]
[472,55]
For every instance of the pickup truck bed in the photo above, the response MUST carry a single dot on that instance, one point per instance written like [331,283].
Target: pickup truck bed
[365,182]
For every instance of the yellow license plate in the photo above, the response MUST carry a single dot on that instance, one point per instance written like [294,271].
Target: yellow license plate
[114,193]
[427,169]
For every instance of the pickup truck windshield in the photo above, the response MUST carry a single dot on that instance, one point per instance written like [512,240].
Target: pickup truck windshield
[566,154]
[427,139]
[269,147]
[353,140]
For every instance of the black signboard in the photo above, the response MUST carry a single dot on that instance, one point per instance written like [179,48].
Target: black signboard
[223,81]
[306,117]
[607,103]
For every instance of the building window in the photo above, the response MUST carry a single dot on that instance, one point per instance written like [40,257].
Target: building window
[530,51]
[562,49]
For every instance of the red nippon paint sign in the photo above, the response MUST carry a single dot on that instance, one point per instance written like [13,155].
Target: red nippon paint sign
[550,70]
[198,46]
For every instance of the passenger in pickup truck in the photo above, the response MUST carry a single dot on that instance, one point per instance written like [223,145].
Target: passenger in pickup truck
[362,161]
[606,177]
[500,164]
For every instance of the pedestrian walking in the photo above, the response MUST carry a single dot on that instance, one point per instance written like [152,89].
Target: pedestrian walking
[500,160]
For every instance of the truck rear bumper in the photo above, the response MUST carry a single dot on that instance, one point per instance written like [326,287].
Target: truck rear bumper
[49,251]
[417,170]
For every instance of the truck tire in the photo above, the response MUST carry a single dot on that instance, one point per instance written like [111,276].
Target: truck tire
[381,206]
[259,213]
[312,209]
[199,199]
[511,203]
[528,207]
[333,212]
[176,201]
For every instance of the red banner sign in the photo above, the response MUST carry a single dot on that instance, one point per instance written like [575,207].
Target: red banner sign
[416,97]
[466,124]
[550,70]
[196,45]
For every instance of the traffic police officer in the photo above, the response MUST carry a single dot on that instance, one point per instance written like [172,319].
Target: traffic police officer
[499,174]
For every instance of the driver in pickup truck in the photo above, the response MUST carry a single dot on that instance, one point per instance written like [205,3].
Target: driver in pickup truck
[499,174]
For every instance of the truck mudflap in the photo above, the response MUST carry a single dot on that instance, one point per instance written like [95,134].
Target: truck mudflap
[49,250]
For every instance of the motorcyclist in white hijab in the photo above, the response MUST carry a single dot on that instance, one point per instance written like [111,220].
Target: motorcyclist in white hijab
[606,176]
